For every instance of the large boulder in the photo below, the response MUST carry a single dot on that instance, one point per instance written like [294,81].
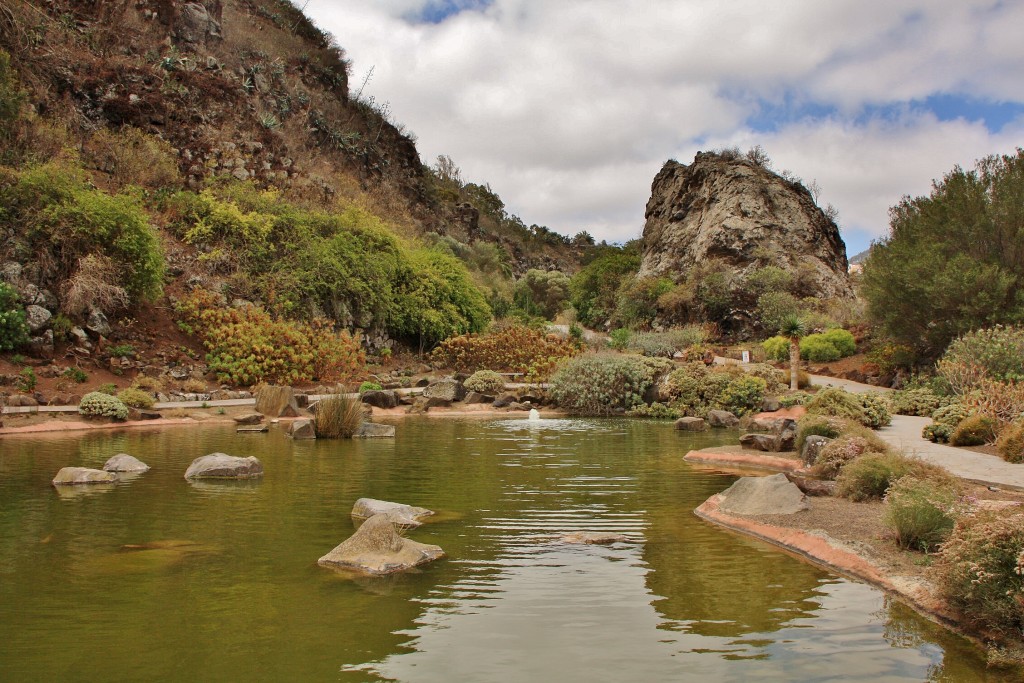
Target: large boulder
[729,208]
[722,418]
[198,23]
[812,447]
[448,389]
[302,429]
[374,430]
[37,318]
[775,495]
[83,475]
[122,462]
[380,399]
[223,466]
[377,548]
[691,424]
[759,442]
[277,401]
[403,515]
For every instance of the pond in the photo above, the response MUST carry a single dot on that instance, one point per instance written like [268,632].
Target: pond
[160,579]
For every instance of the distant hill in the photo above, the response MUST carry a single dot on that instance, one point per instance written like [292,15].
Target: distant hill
[859,259]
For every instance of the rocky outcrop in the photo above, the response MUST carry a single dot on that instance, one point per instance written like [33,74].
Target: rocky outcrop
[722,418]
[223,466]
[82,475]
[377,548]
[729,208]
[122,462]
[403,515]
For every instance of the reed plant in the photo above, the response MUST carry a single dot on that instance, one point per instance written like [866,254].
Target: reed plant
[338,417]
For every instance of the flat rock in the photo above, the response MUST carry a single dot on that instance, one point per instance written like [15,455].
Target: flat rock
[380,399]
[774,495]
[691,424]
[377,548]
[722,418]
[474,397]
[593,538]
[759,442]
[224,466]
[404,515]
[83,475]
[302,429]
[248,418]
[150,415]
[122,462]
[374,430]
[448,389]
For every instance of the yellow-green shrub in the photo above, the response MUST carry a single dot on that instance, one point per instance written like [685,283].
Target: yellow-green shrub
[515,348]
[136,398]
[976,430]
[1011,443]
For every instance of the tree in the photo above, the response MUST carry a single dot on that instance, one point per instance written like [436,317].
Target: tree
[794,328]
[954,260]
[541,292]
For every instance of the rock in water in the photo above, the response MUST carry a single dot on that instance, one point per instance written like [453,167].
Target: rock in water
[774,495]
[722,418]
[223,466]
[374,430]
[691,424]
[122,462]
[83,475]
[593,538]
[302,429]
[735,210]
[377,548]
[404,515]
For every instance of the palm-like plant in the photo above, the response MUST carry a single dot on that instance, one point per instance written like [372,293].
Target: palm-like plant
[794,328]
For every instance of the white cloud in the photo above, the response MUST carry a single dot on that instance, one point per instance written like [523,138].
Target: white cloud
[569,108]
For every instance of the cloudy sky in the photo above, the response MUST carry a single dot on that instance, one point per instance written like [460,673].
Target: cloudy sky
[568,108]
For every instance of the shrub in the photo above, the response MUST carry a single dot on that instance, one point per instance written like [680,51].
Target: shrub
[1003,402]
[193,386]
[619,338]
[937,433]
[772,378]
[797,398]
[96,404]
[817,425]
[595,287]
[981,571]
[951,415]
[838,453]
[26,381]
[337,417]
[601,385]
[1010,443]
[655,411]
[837,403]
[515,348]
[815,347]
[918,402]
[136,398]
[542,292]
[976,430]
[774,307]
[998,351]
[147,383]
[921,511]
[75,375]
[876,412]
[776,348]
[870,476]
[109,388]
[13,329]
[841,339]
[369,386]
[122,351]
[742,395]
[485,382]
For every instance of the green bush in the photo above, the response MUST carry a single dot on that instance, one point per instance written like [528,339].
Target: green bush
[918,402]
[981,572]
[815,347]
[869,477]
[817,425]
[369,386]
[77,375]
[838,453]
[97,404]
[742,395]
[776,348]
[773,308]
[595,287]
[772,378]
[13,330]
[797,398]
[619,338]
[876,412]
[937,433]
[637,300]
[837,403]
[951,415]
[1010,443]
[600,384]
[542,292]
[921,511]
[136,398]
[109,388]
[998,351]
[842,340]
[654,411]
[976,430]
[485,382]
[652,344]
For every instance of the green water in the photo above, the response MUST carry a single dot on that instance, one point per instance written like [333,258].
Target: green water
[226,587]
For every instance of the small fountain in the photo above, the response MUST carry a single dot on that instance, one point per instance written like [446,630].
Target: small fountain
[534,415]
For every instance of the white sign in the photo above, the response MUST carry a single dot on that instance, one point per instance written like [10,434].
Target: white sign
[746,356]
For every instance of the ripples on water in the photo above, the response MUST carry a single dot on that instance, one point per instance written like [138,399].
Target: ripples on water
[678,600]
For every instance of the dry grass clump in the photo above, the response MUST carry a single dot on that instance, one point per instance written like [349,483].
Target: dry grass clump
[338,417]
[193,386]
[93,285]
[147,383]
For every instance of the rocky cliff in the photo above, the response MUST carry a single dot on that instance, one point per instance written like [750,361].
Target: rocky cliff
[726,207]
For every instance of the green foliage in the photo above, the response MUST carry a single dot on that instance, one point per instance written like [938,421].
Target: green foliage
[815,347]
[601,384]
[1010,444]
[369,386]
[981,571]
[594,289]
[869,476]
[773,379]
[769,279]
[514,348]
[438,301]
[543,293]
[13,329]
[842,340]
[109,388]
[976,430]
[952,414]
[921,511]
[776,348]
[337,417]
[58,214]
[937,432]
[638,300]
[837,403]
[817,425]
[654,411]
[75,375]
[876,411]
[954,260]
[797,398]
[122,351]
[27,380]
[619,338]
[97,404]
[773,308]
[919,402]
[666,344]
[485,382]
[136,398]
[742,395]
[998,351]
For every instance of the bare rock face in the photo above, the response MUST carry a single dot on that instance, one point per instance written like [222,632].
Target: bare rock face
[732,209]
[377,548]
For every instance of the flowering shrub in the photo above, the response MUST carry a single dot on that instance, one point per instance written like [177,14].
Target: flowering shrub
[981,571]
[485,382]
[601,384]
[836,454]
[513,349]
[96,404]
[13,330]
